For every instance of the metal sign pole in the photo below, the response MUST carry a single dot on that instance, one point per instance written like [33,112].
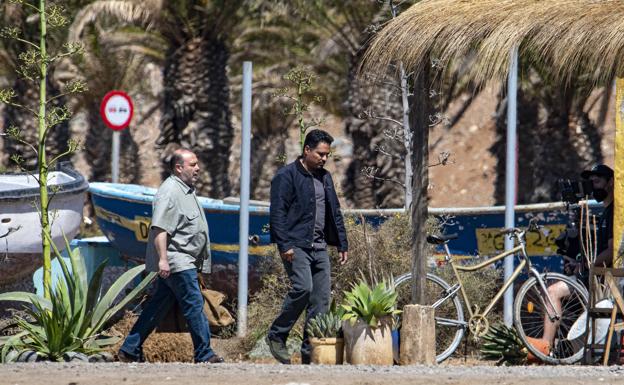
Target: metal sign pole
[115,158]
[243,256]
[510,178]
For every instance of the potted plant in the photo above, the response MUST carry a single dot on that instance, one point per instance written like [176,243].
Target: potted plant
[325,332]
[368,323]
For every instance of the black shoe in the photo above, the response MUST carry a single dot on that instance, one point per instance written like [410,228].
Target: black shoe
[279,351]
[125,357]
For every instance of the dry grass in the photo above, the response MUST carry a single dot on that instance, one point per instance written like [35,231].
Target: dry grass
[174,347]
[374,253]
[159,347]
[571,37]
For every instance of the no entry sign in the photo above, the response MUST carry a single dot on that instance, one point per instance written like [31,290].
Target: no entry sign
[116,110]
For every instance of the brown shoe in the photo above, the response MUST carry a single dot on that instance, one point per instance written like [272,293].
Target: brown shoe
[215,360]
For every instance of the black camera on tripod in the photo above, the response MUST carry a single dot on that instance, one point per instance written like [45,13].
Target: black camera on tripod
[572,191]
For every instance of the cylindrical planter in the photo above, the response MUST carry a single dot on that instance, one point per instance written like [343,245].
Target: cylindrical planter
[327,351]
[365,345]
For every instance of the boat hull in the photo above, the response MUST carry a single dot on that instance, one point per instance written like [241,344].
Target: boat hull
[20,228]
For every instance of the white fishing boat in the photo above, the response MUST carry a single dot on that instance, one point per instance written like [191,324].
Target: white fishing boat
[20,229]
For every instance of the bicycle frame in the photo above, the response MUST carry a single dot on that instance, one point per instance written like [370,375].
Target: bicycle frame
[524,262]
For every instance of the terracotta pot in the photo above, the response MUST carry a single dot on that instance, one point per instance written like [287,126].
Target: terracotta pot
[365,345]
[540,344]
[327,351]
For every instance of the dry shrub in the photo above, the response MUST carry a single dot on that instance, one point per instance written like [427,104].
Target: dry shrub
[374,253]
[266,304]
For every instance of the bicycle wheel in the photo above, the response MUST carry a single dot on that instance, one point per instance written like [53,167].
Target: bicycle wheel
[529,313]
[449,315]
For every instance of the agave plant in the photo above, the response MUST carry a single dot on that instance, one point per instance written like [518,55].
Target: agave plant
[325,325]
[502,343]
[73,319]
[370,305]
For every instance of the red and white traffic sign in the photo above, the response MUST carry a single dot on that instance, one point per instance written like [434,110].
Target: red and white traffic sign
[116,110]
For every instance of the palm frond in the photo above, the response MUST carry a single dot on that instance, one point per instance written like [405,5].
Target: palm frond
[126,11]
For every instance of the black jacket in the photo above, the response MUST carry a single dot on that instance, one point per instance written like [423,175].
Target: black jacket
[293,207]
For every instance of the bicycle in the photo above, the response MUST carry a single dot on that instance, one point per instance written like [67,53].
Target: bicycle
[532,304]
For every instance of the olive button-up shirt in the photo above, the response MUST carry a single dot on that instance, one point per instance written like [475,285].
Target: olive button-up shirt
[177,211]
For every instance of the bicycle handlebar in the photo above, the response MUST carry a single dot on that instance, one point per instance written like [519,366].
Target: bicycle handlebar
[533,226]
[512,230]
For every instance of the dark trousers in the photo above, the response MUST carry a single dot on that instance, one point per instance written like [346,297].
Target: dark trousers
[309,273]
[184,288]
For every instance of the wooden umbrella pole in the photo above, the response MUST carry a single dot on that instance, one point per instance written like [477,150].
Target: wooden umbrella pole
[588,235]
[582,235]
[595,249]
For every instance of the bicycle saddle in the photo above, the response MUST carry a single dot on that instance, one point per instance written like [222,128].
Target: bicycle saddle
[440,239]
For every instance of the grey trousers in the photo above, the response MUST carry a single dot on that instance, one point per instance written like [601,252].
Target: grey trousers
[309,273]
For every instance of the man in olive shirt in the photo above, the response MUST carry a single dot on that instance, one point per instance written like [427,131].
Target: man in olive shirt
[178,246]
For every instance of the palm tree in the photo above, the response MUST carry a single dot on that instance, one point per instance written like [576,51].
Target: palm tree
[347,27]
[551,116]
[108,64]
[14,15]
[196,111]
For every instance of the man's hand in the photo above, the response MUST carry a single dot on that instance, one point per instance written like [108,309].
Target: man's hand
[343,257]
[160,243]
[570,268]
[288,255]
[163,269]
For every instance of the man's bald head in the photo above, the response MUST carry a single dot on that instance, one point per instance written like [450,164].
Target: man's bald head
[178,158]
[185,166]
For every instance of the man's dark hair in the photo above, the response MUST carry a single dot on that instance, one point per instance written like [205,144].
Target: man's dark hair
[177,158]
[314,137]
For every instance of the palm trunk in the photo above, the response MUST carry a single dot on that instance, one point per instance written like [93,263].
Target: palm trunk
[555,140]
[367,136]
[197,112]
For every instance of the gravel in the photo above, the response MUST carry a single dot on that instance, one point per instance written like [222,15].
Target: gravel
[251,374]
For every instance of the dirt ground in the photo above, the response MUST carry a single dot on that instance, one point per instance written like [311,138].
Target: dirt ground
[254,374]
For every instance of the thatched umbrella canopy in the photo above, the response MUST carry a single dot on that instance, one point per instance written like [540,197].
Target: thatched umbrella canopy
[571,37]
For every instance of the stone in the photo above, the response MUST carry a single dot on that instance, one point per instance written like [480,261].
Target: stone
[418,336]
[101,357]
[75,357]
[11,356]
[28,356]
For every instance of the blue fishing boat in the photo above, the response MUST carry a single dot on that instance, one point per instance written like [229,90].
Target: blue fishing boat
[123,212]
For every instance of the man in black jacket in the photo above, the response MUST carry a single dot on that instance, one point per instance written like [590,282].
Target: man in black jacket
[305,217]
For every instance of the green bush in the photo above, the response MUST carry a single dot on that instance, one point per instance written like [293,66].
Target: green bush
[74,317]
